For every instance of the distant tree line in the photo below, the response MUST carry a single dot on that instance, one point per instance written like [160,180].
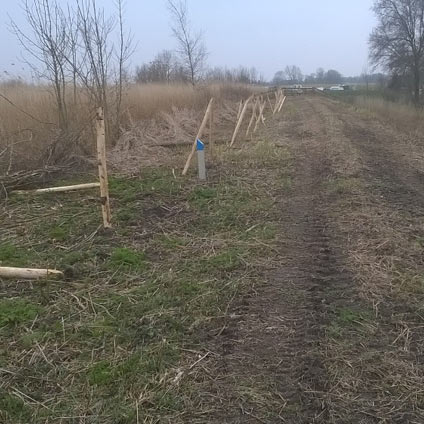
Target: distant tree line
[167,68]
[293,75]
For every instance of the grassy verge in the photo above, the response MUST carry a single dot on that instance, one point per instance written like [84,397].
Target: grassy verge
[117,341]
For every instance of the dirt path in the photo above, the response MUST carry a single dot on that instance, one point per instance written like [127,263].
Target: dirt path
[334,334]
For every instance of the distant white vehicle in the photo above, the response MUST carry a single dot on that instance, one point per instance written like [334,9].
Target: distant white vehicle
[298,88]
[336,88]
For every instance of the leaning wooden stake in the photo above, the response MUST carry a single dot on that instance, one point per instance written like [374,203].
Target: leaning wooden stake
[58,189]
[282,104]
[240,120]
[260,116]
[240,109]
[101,158]
[211,144]
[198,136]
[269,102]
[253,118]
[28,273]
[278,104]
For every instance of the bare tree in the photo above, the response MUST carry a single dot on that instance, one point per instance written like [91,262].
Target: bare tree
[93,65]
[293,73]
[397,43]
[191,47]
[164,68]
[279,78]
[124,53]
[47,45]
[320,75]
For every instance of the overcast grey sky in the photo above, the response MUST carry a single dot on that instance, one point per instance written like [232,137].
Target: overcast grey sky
[267,34]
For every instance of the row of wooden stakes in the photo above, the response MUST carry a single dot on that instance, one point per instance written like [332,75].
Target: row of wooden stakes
[258,103]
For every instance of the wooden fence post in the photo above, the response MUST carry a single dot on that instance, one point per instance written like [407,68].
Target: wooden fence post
[260,116]
[211,144]
[278,104]
[240,120]
[199,134]
[277,101]
[253,118]
[282,104]
[103,178]
[240,109]
[269,102]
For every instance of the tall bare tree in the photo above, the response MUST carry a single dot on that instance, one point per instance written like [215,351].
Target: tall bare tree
[74,42]
[124,52]
[191,47]
[397,43]
[47,47]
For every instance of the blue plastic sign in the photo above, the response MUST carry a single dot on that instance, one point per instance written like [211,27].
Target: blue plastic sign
[200,145]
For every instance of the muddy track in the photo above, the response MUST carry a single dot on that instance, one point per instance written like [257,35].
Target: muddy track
[277,342]
[276,360]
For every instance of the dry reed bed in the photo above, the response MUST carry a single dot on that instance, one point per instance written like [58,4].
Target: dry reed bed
[404,117]
[29,121]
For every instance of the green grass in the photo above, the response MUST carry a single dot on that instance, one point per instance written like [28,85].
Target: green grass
[11,255]
[123,258]
[135,296]
[14,409]
[17,311]
[347,319]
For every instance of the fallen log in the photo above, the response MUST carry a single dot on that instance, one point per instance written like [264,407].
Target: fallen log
[58,189]
[29,273]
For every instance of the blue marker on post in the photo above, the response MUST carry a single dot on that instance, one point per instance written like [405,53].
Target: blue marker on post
[201,160]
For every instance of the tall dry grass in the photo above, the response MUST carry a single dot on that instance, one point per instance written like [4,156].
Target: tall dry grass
[404,117]
[29,121]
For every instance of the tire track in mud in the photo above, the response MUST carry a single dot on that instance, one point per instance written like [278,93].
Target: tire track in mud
[276,345]
[388,213]
[385,165]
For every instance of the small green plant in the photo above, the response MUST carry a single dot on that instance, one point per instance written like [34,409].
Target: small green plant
[200,197]
[159,181]
[127,259]
[12,408]
[125,189]
[59,233]
[12,256]
[172,241]
[228,260]
[17,311]
[346,318]
[101,374]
